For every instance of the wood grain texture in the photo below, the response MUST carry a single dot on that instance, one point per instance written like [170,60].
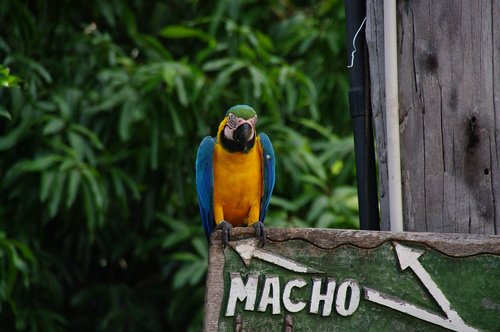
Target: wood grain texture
[450,244]
[449,60]
[375,41]
[214,293]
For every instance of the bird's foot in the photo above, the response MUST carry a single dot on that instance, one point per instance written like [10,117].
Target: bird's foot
[227,230]
[260,231]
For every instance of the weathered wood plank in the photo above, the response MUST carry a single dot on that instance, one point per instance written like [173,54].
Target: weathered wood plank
[214,293]
[495,145]
[375,41]
[450,244]
[449,55]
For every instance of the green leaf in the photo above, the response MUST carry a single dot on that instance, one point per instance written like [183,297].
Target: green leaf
[63,106]
[25,250]
[10,277]
[311,124]
[6,79]
[317,208]
[89,208]
[130,182]
[315,165]
[200,268]
[217,64]
[73,185]
[179,31]
[53,126]
[12,137]
[56,194]
[292,96]
[78,144]
[37,67]
[306,43]
[89,134]
[337,167]
[183,275]
[91,180]
[184,257]
[200,245]
[126,120]
[38,164]
[312,179]
[258,80]
[46,184]
[181,91]
[155,137]
[178,127]
[326,220]
[5,114]
[118,98]
[130,21]
[224,77]
[152,45]
[170,241]
[283,203]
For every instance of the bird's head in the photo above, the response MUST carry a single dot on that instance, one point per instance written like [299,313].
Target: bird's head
[237,130]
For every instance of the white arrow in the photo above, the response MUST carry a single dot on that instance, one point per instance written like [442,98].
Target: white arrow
[248,248]
[408,257]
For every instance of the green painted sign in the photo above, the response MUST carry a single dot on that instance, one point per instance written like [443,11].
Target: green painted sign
[326,280]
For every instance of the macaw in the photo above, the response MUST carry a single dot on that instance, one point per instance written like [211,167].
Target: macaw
[235,175]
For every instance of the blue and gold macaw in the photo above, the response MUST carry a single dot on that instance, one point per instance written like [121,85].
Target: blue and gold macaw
[235,175]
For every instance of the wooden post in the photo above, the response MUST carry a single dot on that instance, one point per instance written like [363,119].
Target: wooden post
[449,92]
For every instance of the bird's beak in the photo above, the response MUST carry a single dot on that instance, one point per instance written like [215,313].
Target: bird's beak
[243,133]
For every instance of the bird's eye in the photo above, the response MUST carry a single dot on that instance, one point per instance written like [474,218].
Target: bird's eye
[231,121]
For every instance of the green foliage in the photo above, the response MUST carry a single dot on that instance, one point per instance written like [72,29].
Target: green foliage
[103,105]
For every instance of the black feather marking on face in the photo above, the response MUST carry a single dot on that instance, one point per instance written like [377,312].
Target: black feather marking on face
[235,146]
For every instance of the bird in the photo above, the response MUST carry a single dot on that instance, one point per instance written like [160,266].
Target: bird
[235,175]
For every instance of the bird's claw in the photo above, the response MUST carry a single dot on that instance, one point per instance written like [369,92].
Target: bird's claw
[260,231]
[227,230]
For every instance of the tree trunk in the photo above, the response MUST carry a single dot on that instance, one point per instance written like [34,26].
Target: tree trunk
[449,113]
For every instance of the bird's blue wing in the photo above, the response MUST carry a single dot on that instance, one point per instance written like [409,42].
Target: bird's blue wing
[205,183]
[268,171]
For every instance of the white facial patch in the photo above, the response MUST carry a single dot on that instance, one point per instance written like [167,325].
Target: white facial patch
[234,122]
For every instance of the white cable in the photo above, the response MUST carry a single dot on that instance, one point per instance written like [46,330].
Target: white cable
[354,43]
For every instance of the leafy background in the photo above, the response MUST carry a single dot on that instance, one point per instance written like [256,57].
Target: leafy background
[102,107]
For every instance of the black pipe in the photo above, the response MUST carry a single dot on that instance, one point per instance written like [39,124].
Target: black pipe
[360,109]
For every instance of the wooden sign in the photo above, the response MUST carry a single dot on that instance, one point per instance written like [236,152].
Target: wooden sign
[345,280]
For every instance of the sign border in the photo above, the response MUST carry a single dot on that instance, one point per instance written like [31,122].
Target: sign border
[450,244]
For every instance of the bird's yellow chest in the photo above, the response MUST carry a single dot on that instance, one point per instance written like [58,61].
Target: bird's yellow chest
[237,185]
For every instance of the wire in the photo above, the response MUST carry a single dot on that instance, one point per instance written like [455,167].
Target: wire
[354,43]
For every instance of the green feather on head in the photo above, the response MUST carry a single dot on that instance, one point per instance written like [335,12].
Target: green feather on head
[242,111]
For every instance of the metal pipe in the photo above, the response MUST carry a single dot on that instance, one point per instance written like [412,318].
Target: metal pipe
[361,116]
[392,116]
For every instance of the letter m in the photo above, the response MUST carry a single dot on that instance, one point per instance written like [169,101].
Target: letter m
[240,291]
